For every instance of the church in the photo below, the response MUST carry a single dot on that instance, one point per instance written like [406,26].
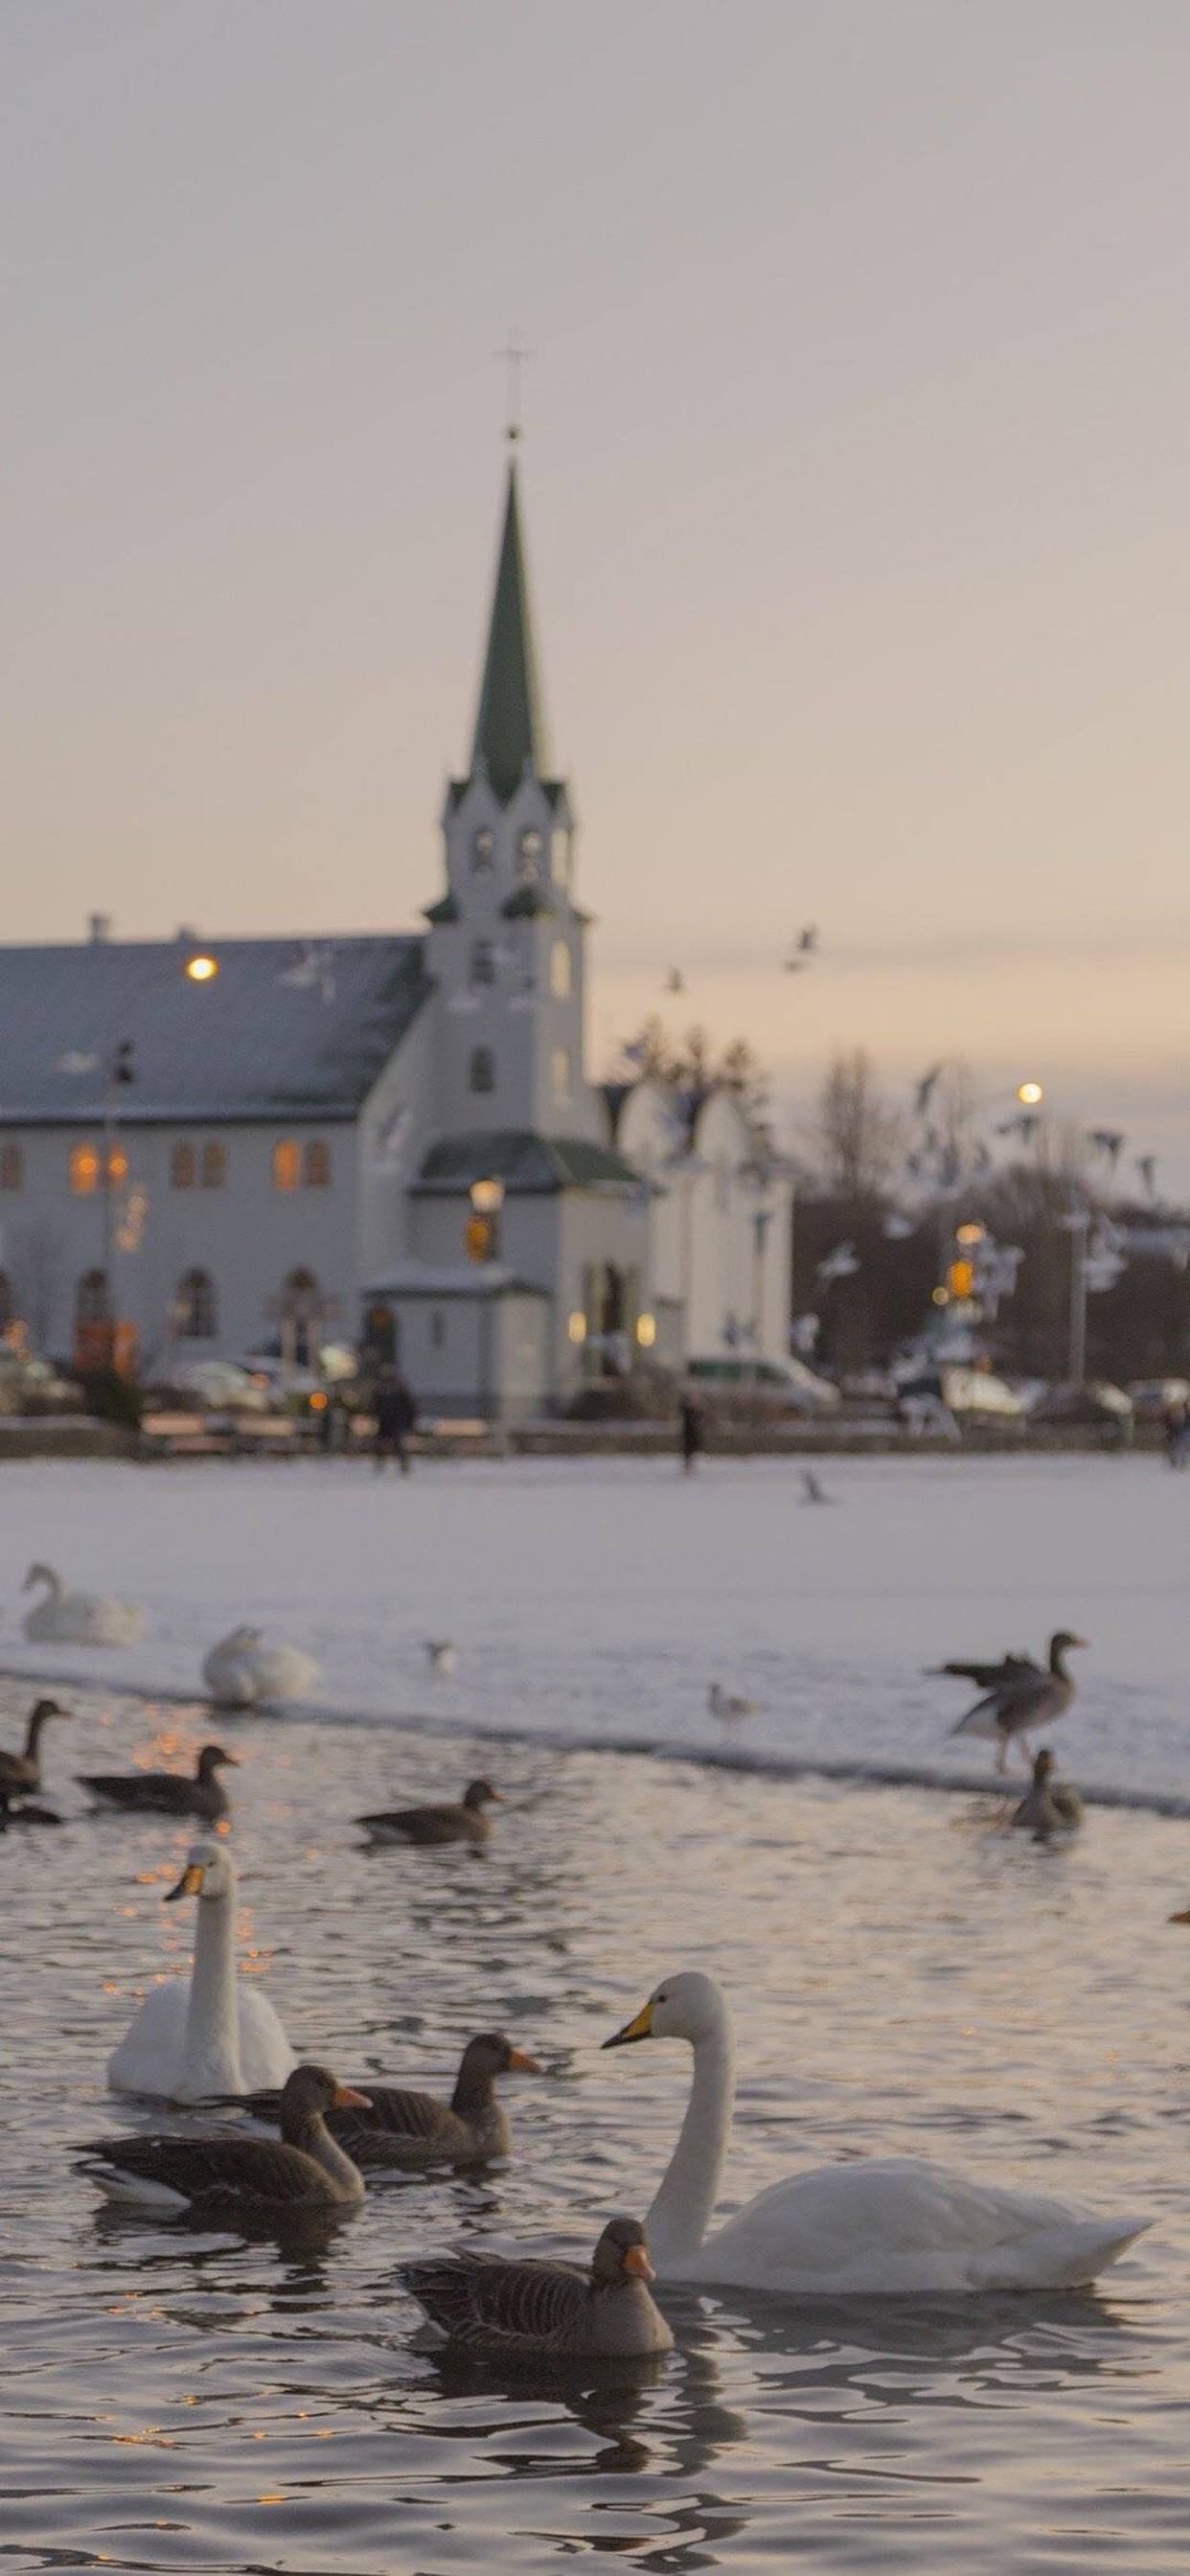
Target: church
[210,1147]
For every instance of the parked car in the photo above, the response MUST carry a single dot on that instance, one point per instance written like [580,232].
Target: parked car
[777,1386]
[972,1391]
[29,1384]
[214,1386]
[1098,1401]
[1153,1397]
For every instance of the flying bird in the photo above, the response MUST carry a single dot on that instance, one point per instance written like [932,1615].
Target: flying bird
[313,968]
[675,981]
[1108,1141]
[839,1264]
[924,1090]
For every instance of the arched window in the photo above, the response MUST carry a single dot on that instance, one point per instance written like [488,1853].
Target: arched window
[482,1076]
[483,851]
[181,1167]
[214,1166]
[197,1307]
[483,962]
[91,1304]
[560,1070]
[528,856]
[7,1302]
[317,1165]
[12,1167]
[380,1335]
[84,1170]
[287,1165]
[560,970]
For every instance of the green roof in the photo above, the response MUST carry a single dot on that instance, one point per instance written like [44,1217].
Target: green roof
[510,726]
[524,1161]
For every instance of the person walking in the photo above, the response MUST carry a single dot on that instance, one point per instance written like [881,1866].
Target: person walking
[396,1418]
[691,1430]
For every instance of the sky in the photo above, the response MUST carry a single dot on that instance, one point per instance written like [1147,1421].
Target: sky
[855,475]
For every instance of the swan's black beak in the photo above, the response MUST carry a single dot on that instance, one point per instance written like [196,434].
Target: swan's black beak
[189,1884]
[639,2028]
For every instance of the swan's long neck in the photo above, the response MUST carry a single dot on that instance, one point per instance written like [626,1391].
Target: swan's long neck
[211,2049]
[681,2212]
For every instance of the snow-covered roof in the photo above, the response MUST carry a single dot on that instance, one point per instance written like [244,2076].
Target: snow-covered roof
[288,1027]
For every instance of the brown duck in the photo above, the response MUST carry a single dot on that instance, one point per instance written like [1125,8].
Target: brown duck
[407,2129]
[20,1772]
[537,2309]
[465,1823]
[167,1793]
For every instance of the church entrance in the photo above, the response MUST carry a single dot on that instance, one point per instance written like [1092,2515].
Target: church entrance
[380,1335]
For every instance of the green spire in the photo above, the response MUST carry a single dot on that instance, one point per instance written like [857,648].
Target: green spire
[510,726]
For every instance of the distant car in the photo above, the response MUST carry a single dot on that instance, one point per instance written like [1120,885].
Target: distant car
[779,1386]
[1096,1401]
[1153,1397]
[29,1384]
[971,1391]
[216,1386]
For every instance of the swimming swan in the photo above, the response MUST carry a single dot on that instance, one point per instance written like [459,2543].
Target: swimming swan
[241,1671]
[78,1618]
[213,2033]
[893,2225]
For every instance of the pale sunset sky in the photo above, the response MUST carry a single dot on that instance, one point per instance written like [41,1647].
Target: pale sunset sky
[855,475]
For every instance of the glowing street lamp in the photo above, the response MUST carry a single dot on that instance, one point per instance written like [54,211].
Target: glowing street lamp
[201,968]
[1030,1094]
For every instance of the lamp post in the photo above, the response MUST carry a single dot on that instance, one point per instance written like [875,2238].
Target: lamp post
[483,1231]
[198,967]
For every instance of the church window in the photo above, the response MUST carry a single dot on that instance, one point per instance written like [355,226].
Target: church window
[84,1170]
[91,1304]
[560,970]
[196,1307]
[214,1166]
[287,1165]
[483,962]
[303,1309]
[529,849]
[12,1167]
[483,852]
[560,1070]
[482,1075]
[317,1169]
[181,1167]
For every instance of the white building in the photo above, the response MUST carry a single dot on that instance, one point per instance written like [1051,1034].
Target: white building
[383,1140]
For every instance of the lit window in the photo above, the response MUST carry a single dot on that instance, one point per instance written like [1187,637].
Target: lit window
[483,962]
[317,1166]
[483,1069]
[560,1070]
[12,1167]
[196,1307]
[84,1170]
[214,1166]
[483,851]
[560,970]
[287,1165]
[117,1164]
[181,1167]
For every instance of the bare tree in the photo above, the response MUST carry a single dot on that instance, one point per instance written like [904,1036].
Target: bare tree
[859,1134]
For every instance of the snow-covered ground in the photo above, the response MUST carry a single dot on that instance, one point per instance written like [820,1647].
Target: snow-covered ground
[595,1600]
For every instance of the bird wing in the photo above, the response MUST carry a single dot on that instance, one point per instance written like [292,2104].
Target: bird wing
[989,1677]
[481,2297]
[217,2168]
[420,1824]
[164,1791]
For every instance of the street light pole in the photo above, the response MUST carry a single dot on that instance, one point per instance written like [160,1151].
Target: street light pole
[1077,1224]
[119,1070]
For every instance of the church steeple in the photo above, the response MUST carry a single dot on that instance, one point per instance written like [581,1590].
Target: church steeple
[510,735]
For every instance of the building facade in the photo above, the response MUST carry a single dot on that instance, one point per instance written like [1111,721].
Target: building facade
[391,1141]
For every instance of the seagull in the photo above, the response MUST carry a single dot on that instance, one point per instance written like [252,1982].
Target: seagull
[812,1491]
[675,981]
[728,1704]
[314,967]
[441,1656]
[898,1228]
[839,1264]
[1108,1141]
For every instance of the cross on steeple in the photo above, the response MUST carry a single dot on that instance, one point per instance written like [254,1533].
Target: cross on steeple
[515,357]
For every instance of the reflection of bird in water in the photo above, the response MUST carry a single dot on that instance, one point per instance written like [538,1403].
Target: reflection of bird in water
[1050,1806]
[729,1705]
[895,2225]
[23,1811]
[546,2309]
[1017,1695]
[813,1491]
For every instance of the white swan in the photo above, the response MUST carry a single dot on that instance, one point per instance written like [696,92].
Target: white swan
[215,2033]
[78,1618]
[241,1671]
[897,2225]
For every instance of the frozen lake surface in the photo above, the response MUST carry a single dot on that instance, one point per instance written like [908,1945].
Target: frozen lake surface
[906,1976]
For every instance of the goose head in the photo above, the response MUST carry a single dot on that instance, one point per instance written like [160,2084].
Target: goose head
[1062,1641]
[1042,1767]
[41,1711]
[310,2092]
[41,1574]
[208,1874]
[212,1759]
[480,1793]
[686,2005]
[621,2254]
[486,2057]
